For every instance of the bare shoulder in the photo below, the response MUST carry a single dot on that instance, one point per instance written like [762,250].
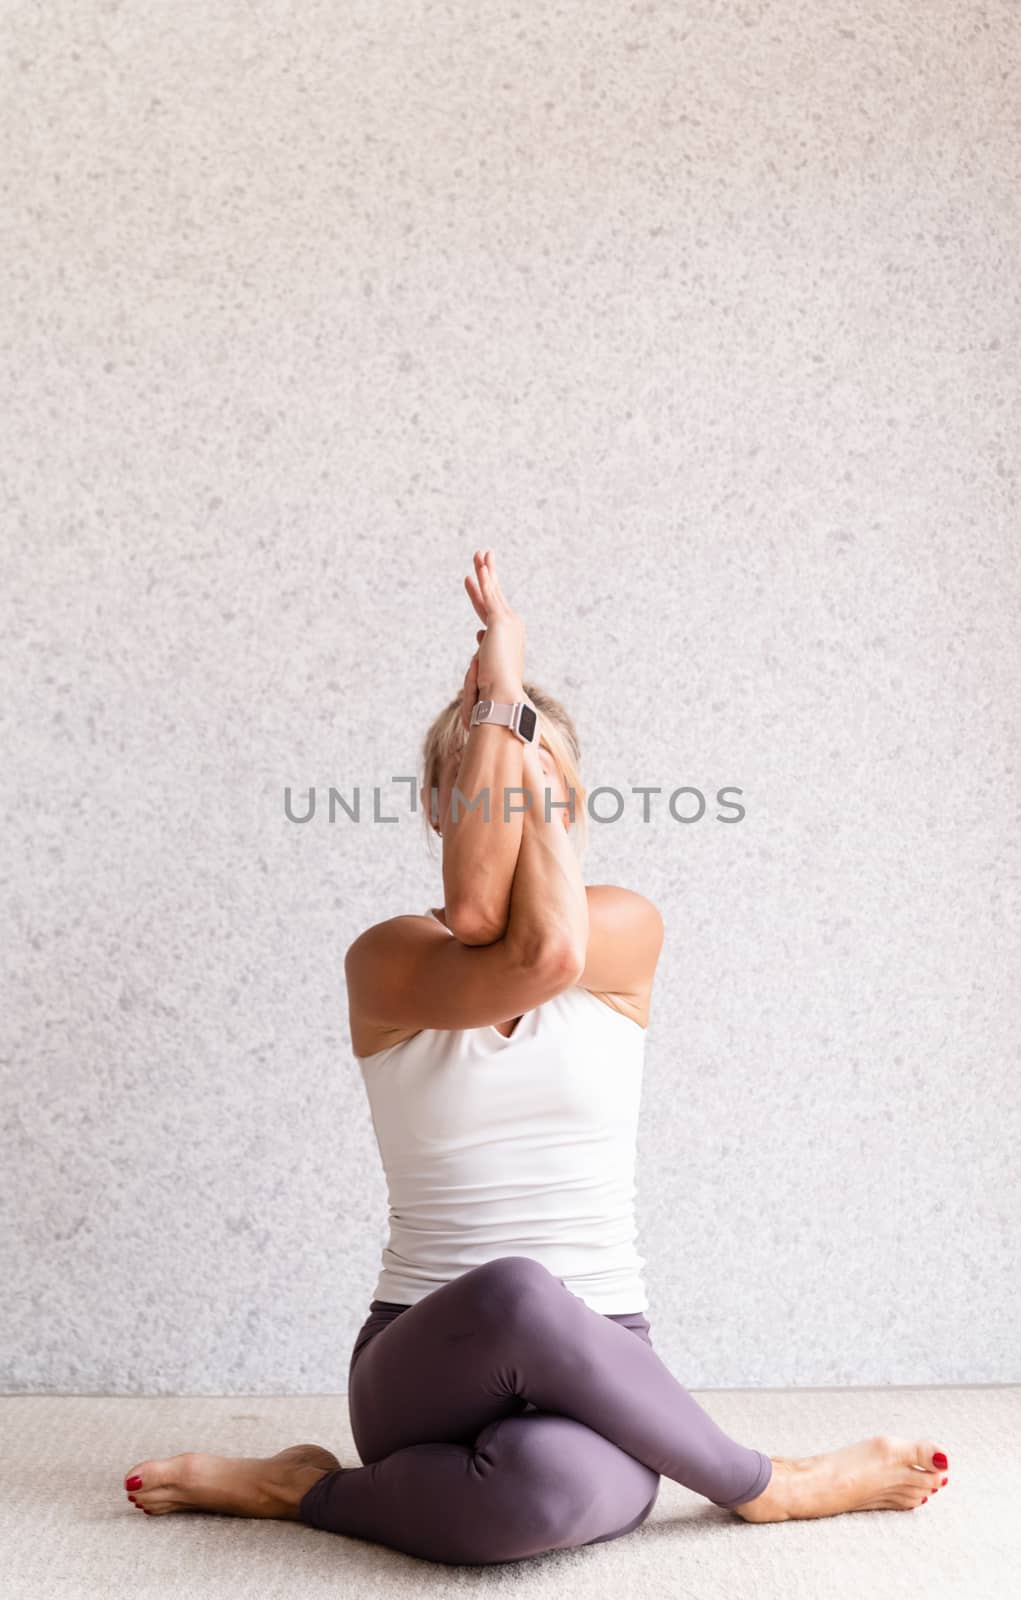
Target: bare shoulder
[373,959]
[626,934]
[391,932]
[623,903]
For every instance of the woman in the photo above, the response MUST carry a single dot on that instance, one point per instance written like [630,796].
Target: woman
[505,1397]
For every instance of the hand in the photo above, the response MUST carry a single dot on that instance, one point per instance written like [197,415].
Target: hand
[501,654]
[470,692]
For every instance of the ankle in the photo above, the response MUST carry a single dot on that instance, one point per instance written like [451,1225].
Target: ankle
[776,1503]
[287,1490]
[798,1483]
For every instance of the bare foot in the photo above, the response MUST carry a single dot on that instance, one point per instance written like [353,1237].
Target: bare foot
[270,1486]
[886,1473]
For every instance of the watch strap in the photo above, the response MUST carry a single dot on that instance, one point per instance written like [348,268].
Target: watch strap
[508,714]
[499,711]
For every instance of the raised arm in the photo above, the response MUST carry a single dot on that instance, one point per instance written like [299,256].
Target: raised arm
[549,869]
[479,857]
[407,973]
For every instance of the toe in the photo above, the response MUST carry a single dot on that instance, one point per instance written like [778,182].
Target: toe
[146,1475]
[157,1480]
[927,1475]
[928,1455]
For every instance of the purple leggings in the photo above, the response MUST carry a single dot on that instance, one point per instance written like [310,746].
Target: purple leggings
[500,1417]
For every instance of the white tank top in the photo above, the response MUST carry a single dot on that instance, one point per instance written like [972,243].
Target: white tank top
[496,1146]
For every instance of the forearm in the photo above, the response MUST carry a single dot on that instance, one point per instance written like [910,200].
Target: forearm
[548,904]
[479,857]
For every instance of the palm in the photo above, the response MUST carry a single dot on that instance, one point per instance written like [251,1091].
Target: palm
[501,648]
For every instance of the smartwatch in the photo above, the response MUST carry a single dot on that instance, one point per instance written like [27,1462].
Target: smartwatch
[519,717]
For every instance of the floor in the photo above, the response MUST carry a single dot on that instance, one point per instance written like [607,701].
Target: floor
[67,1529]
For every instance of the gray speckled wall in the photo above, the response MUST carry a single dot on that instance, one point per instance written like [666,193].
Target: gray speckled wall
[706,318]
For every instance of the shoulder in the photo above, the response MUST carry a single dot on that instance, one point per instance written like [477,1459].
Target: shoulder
[387,953]
[627,911]
[615,894]
[624,943]
[391,932]
[382,956]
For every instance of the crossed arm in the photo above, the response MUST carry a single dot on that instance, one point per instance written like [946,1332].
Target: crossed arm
[614,935]
[479,855]
[513,874]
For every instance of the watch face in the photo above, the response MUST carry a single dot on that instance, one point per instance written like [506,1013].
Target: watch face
[526,722]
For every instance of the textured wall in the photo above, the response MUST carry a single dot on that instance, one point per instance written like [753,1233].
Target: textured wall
[706,317]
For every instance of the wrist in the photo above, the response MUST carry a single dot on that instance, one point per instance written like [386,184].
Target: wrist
[503,690]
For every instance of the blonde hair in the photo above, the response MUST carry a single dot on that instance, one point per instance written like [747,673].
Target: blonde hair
[446,736]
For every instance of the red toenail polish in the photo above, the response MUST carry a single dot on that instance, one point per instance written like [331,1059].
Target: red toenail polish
[939,1460]
[946,1480]
[136,1483]
[926,1498]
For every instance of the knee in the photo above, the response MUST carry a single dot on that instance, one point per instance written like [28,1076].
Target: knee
[567,1492]
[584,1508]
[510,1286]
[515,1304]
[543,1490]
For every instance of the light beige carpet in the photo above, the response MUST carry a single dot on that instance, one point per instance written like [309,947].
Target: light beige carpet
[66,1527]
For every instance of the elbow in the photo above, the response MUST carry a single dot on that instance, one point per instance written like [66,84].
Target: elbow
[471,925]
[561,964]
[568,965]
